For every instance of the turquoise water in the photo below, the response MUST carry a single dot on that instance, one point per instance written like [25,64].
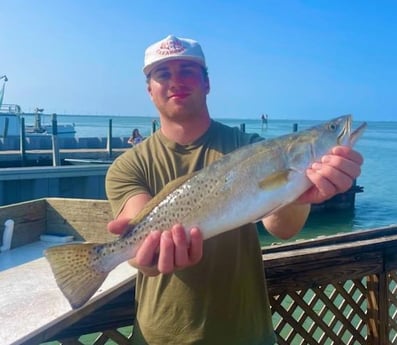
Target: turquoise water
[375,207]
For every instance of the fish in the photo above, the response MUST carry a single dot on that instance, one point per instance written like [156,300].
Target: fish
[241,187]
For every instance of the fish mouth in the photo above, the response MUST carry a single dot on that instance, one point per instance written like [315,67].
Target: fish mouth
[357,133]
[346,136]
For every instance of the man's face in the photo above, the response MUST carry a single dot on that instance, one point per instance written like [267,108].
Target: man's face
[178,88]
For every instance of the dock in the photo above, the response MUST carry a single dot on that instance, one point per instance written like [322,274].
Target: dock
[12,158]
[72,181]
[50,150]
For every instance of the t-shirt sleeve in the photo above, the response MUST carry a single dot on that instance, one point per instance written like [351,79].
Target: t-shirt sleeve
[123,180]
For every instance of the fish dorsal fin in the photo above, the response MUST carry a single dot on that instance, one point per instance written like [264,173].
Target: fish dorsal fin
[274,180]
[168,188]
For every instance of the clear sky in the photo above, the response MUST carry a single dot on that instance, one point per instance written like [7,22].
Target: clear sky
[291,59]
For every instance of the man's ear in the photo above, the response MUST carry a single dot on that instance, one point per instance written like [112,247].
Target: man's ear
[149,90]
[207,86]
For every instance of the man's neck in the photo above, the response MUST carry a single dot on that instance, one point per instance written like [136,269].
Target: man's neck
[185,132]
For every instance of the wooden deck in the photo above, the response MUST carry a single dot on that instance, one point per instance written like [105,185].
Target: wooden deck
[32,308]
[334,290]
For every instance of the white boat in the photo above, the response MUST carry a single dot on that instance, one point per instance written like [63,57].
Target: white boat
[11,120]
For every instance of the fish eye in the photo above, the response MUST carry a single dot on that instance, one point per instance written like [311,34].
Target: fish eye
[332,126]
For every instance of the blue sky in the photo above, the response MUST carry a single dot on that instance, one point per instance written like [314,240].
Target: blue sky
[307,59]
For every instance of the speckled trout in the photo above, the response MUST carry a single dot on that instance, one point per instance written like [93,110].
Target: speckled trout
[241,187]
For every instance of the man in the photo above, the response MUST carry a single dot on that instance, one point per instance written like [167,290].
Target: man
[190,291]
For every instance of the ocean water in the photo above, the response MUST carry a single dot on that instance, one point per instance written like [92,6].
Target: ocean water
[375,207]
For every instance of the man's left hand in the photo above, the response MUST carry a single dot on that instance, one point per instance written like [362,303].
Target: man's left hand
[333,174]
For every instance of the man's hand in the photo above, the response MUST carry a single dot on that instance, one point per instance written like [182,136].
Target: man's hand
[334,174]
[166,251]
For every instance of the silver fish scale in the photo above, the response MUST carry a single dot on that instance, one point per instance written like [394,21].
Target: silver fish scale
[177,207]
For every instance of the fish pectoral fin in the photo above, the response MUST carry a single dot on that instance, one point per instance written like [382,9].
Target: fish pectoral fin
[275,180]
[74,271]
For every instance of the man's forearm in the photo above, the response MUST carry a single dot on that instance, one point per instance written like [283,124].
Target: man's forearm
[288,221]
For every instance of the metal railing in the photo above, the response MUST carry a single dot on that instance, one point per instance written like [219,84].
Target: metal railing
[11,109]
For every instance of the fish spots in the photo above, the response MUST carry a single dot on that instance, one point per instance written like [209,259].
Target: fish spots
[178,206]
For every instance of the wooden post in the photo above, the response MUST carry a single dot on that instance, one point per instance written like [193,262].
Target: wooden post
[22,147]
[295,127]
[242,127]
[56,161]
[5,130]
[385,305]
[109,141]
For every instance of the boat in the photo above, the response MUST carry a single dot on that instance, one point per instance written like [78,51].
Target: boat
[12,120]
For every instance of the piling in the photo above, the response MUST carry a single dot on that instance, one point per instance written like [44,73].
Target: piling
[56,161]
[242,127]
[5,130]
[109,141]
[295,127]
[22,142]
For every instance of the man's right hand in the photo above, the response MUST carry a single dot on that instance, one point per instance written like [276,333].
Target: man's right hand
[166,251]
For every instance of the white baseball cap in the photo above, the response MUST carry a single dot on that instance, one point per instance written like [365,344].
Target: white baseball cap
[172,48]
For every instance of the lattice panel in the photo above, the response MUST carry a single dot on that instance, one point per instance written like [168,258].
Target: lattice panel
[121,336]
[333,314]
[323,315]
[392,301]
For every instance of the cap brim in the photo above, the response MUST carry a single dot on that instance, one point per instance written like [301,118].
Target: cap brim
[147,69]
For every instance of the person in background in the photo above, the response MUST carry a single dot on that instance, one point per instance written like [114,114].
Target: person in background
[189,291]
[135,137]
[264,120]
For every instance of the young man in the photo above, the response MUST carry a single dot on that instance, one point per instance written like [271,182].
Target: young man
[195,292]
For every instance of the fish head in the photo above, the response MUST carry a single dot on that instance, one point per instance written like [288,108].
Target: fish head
[335,132]
[343,127]
[310,145]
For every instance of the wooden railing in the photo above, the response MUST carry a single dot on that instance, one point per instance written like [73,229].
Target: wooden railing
[335,290]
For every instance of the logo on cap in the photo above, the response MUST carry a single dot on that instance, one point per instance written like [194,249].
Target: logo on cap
[170,47]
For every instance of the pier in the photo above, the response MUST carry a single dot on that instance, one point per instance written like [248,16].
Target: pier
[13,158]
[40,150]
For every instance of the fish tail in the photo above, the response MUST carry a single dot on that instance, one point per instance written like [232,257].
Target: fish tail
[73,266]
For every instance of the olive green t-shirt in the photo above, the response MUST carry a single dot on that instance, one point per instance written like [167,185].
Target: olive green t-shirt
[221,300]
